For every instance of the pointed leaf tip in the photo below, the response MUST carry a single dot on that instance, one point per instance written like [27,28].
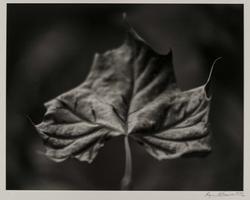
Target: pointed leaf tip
[131,33]
[211,70]
[132,37]
[30,121]
[208,82]
[125,21]
[124,16]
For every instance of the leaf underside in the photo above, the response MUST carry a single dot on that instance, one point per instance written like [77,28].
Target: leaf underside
[130,91]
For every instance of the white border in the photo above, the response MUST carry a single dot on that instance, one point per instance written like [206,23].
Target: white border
[2,94]
[114,195]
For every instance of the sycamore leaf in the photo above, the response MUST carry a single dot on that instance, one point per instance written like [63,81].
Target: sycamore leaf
[129,91]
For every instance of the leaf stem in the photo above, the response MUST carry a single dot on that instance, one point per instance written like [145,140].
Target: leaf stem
[126,182]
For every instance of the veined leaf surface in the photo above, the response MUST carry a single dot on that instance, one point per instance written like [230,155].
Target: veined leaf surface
[130,91]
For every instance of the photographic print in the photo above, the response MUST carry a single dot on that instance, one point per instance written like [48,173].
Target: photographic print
[142,97]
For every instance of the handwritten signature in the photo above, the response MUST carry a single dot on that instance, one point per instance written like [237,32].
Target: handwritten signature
[224,194]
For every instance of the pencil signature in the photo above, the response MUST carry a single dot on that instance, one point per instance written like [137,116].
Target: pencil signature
[224,194]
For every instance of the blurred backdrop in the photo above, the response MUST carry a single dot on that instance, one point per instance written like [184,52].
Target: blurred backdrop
[49,51]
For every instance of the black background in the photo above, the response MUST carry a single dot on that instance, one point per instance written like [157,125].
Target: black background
[49,51]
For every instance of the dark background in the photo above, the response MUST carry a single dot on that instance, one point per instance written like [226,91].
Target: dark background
[49,51]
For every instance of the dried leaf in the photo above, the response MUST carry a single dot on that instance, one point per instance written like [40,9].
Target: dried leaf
[129,91]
